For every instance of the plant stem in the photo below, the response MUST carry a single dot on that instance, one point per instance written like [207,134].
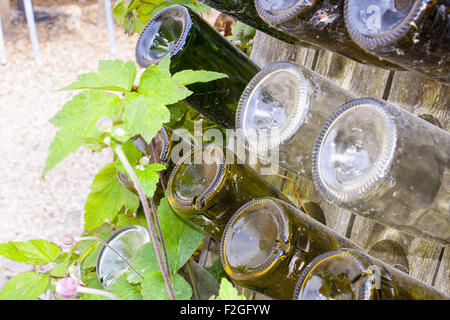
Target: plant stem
[152,202]
[113,250]
[97,291]
[137,185]
[157,160]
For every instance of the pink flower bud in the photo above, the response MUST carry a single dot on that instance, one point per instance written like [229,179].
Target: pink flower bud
[66,288]
[68,239]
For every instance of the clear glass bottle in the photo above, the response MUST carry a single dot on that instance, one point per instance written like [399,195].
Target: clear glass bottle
[126,241]
[413,34]
[208,185]
[386,164]
[349,274]
[268,242]
[283,108]
[194,44]
[319,22]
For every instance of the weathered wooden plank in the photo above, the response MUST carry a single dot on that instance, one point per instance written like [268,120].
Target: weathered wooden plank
[442,281]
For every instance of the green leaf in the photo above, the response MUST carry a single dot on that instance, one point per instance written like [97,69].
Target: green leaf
[129,21]
[149,178]
[25,286]
[132,153]
[154,287]
[186,77]
[227,292]
[114,75]
[124,290]
[217,270]
[158,87]
[124,220]
[91,281]
[77,121]
[181,241]
[106,198]
[142,117]
[32,252]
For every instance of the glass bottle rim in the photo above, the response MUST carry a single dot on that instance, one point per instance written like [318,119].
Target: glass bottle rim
[373,41]
[350,255]
[282,15]
[200,201]
[295,120]
[283,232]
[379,169]
[187,25]
[116,234]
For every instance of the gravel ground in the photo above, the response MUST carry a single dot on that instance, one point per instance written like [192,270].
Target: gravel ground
[31,208]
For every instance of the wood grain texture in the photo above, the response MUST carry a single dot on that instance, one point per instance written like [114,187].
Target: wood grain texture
[422,259]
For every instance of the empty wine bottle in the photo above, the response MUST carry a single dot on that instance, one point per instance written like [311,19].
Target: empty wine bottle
[349,274]
[319,22]
[268,242]
[245,11]
[208,185]
[194,44]
[386,164]
[284,107]
[126,242]
[414,34]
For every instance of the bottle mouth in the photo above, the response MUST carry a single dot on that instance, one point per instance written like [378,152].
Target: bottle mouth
[272,107]
[196,177]
[336,275]
[374,23]
[278,11]
[354,150]
[163,146]
[126,241]
[164,34]
[254,239]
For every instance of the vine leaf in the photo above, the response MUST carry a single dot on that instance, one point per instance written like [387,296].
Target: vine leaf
[227,292]
[77,121]
[25,286]
[181,241]
[154,287]
[142,117]
[158,87]
[125,290]
[32,252]
[114,75]
[149,178]
[186,77]
[106,198]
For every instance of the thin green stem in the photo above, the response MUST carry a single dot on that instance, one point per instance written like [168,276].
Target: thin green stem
[142,197]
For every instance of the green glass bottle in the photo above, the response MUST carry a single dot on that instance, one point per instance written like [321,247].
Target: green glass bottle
[349,274]
[245,11]
[319,22]
[413,34]
[194,44]
[208,185]
[268,242]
